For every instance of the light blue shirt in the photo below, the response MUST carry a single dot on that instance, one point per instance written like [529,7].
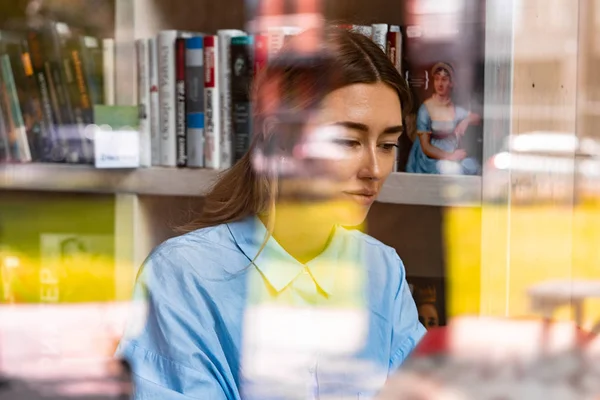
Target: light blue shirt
[215,320]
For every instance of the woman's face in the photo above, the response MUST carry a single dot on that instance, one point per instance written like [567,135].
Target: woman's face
[442,83]
[367,119]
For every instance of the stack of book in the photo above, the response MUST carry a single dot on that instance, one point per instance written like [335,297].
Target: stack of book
[194,91]
[51,76]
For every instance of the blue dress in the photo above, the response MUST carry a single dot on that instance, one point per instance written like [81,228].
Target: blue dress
[442,137]
[220,327]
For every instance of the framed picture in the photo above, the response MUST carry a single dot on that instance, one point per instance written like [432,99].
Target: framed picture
[444,68]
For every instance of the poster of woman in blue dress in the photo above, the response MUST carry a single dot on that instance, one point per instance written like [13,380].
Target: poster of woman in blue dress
[440,126]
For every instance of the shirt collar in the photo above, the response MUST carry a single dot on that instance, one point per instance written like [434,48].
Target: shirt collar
[277,266]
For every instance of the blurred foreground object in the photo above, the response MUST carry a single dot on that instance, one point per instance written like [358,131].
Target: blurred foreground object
[495,358]
[63,351]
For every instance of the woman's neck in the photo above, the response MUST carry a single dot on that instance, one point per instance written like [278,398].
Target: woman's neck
[300,229]
[443,100]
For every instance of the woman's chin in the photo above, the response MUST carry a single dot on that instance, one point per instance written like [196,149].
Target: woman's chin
[351,214]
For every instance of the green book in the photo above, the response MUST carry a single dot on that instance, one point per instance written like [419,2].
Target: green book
[116,117]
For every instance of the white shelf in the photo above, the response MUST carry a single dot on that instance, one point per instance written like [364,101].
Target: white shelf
[83,178]
[400,188]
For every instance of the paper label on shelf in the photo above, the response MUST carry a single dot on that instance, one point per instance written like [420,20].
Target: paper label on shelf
[116,148]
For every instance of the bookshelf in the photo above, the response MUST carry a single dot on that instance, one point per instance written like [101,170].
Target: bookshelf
[526,77]
[400,188]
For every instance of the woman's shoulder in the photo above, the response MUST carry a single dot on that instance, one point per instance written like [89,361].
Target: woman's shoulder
[207,251]
[373,246]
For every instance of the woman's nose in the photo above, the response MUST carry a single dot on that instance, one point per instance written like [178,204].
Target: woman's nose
[370,166]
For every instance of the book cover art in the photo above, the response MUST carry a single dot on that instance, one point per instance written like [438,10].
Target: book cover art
[241,67]
[430,297]
[443,66]
[76,267]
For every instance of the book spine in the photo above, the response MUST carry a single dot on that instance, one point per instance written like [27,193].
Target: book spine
[180,104]
[224,76]
[154,116]
[108,67]
[394,47]
[89,47]
[366,30]
[165,44]
[212,152]
[194,77]
[79,98]
[5,156]
[69,128]
[379,35]
[167,97]
[51,147]
[241,66]
[29,100]
[143,87]
[261,52]
[9,126]
[23,153]
[85,102]
[277,38]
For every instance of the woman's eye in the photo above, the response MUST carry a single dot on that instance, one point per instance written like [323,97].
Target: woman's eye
[350,143]
[388,146]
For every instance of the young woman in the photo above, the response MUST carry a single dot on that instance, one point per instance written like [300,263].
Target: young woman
[267,295]
[440,125]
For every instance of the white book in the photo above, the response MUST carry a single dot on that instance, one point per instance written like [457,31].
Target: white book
[366,30]
[212,103]
[224,77]
[108,60]
[143,88]
[165,42]
[154,107]
[379,35]
[277,37]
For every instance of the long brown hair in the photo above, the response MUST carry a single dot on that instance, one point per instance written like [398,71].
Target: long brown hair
[241,191]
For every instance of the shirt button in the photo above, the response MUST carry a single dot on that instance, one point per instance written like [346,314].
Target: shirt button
[305,271]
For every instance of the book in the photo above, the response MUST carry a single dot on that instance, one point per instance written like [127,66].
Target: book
[444,69]
[78,95]
[154,103]
[19,134]
[180,115]
[241,78]
[194,73]
[108,68]
[143,89]
[379,35]
[53,34]
[51,146]
[165,43]
[261,53]
[224,76]
[394,46]
[92,58]
[212,103]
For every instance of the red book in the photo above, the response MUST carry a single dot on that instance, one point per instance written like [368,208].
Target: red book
[261,52]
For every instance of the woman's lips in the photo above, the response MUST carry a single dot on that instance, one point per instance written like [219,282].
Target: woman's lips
[365,198]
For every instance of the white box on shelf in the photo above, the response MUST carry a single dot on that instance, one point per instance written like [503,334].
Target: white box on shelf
[116,148]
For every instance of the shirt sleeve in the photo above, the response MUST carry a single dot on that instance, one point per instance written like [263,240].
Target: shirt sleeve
[172,355]
[461,113]
[423,119]
[407,331]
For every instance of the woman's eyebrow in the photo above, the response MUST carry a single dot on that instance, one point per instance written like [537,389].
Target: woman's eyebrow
[393,129]
[357,126]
